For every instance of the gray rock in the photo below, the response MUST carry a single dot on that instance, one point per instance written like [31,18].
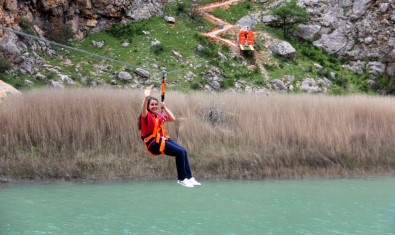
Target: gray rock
[155,42]
[52,70]
[324,82]
[200,48]
[56,84]
[283,49]
[356,67]
[41,77]
[11,48]
[278,85]
[360,7]
[268,19]
[332,76]
[29,83]
[213,77]
[334,42]
[220,25]
[142,73]
[215,85]
[222,57]
[98,44]
[376,68]
[372,84]
[66,79]
[247,22]
[309,85]
[308,32]
[190,76]
[289,78]
[368,40]
[27,65]
[170,19]
[144,9]
[124,76]
[384,7]
[317,65]
[176,54]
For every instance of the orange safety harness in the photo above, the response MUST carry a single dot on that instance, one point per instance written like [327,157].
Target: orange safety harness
[157,135]
[159,128]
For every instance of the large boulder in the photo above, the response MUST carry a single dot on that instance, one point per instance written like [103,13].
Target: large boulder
[283,49]
[335,42]
[7,89]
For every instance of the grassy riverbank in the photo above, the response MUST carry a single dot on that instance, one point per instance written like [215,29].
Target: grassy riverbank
[92,134]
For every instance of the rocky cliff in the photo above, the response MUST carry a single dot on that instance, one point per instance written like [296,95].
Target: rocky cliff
[361,31]
[81,15]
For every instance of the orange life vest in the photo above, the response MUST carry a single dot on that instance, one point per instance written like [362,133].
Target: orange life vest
[156,134]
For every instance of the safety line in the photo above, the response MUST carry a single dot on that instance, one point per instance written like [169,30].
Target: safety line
[83,51]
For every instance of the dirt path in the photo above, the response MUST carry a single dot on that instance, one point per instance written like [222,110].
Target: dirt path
[215,34]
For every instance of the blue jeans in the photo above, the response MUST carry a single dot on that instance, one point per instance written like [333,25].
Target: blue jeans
[175,150]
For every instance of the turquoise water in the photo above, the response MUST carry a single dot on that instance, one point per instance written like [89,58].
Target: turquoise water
[341,206]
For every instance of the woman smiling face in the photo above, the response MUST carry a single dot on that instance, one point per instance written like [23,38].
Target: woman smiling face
[153,105]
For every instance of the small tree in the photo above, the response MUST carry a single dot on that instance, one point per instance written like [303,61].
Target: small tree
[289,15]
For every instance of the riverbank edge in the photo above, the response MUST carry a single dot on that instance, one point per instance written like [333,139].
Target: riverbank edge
[4,180]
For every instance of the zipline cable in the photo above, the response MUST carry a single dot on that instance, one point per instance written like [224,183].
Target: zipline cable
[86,52]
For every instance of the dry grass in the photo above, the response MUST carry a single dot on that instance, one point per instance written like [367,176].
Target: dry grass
[92,133]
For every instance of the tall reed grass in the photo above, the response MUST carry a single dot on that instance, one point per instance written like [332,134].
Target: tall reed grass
[92,134]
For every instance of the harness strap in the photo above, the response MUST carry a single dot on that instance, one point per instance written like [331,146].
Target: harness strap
[156,134]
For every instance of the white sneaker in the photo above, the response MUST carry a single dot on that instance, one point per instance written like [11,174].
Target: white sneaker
[185,183]
[194,182]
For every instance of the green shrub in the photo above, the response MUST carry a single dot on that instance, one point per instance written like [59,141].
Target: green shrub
[341,81]
[259,44]
[5,65]
[228,83]
[128,31]
[196,86]
[158,49]
[336,90]
[17,81]
[270,67]
[27,26]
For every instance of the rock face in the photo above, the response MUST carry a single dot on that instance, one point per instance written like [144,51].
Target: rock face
[360,31]
[356,29]
[81,15]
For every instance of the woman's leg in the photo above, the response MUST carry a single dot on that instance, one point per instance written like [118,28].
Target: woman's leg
[174,149]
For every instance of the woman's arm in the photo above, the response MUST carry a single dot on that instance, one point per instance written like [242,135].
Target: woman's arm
[171,117]
[147,93]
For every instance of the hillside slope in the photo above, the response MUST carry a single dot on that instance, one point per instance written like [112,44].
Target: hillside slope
[367,63]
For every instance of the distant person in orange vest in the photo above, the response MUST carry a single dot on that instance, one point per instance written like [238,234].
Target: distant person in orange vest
[151,124]
[246,36]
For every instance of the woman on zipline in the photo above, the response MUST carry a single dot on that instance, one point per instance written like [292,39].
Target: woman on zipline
[151,124]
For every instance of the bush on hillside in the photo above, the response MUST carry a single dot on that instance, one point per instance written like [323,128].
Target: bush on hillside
[128,31]
[27,26]
[5,65]
[158,49]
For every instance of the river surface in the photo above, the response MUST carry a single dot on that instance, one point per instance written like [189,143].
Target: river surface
[335,206]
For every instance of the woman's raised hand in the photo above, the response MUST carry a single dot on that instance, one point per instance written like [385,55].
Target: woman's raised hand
[147,91]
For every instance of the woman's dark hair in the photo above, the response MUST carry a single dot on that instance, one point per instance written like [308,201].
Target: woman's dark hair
[149,101]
